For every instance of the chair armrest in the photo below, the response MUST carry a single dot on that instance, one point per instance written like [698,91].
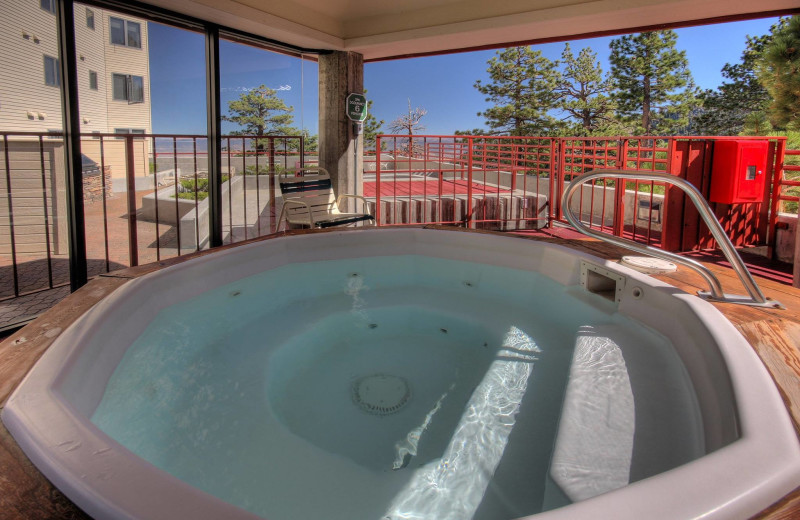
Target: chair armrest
[299,203]
[349,196]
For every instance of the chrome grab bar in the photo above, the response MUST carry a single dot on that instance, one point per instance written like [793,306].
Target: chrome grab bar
[715,293]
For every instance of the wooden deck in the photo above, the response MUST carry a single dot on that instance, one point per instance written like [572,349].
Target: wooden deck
[26,494]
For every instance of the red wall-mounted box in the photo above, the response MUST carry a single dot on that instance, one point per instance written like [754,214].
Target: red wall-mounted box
[738,171]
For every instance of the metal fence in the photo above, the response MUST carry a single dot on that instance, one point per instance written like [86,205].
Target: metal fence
[516,183]
[145,199]
[787,189]
[145,195]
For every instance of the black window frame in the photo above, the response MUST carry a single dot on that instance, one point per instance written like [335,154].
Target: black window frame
[69,77]
[53,67]
[126,25]
[128,88]
[93,80]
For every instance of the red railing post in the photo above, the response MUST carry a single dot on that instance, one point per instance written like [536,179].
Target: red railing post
[378,145]
[775,201]
[468,219]
[619,190]
[561,170]
[514,152]
[554,204]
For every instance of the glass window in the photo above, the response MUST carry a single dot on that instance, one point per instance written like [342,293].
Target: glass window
[48,5]
[120,87]
[128,88]
[134,34]
[125,32]
[136,90]
[90,19]
[92,80]
[117,30]
[51,72]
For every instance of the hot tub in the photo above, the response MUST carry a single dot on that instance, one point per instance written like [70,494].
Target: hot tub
[405,373]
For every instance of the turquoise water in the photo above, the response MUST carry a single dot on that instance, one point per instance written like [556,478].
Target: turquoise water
[247,391]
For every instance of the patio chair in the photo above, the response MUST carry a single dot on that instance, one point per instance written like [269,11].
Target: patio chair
[308,200]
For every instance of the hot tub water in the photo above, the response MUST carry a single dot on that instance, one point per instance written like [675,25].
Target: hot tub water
[383,387]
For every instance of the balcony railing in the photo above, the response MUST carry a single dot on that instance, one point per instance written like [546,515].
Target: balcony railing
[516,183]
[145,195]
[145,199]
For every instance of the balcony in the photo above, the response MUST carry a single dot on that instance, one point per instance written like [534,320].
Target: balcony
[151,201]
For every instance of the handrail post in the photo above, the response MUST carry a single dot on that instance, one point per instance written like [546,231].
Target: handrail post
[756,297]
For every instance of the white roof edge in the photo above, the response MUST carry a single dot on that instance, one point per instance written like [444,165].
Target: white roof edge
[244,18]
[559,22]
[564,21]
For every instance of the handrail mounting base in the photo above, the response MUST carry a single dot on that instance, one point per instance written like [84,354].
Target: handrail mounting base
[741,300]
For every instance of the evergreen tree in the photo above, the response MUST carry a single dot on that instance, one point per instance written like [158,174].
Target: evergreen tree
[474,131]
[310,142]
[523,91]
[585,93]
[738,104]
[653,85]
[260,112]
[372,127]
[779,72]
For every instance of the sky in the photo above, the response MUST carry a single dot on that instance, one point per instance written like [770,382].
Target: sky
[443,85]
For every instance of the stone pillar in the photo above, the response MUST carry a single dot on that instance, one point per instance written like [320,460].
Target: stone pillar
[340,150]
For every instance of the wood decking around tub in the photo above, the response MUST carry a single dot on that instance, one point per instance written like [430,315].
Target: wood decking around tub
[27,494]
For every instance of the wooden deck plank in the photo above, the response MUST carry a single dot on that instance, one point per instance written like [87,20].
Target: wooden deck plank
[26,494]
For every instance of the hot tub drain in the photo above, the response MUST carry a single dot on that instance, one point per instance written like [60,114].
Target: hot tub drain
[381,394]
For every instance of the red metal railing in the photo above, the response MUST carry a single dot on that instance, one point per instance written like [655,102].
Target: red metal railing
[475,180]
[517,183]
[513,182]
[789,180]
[143,197]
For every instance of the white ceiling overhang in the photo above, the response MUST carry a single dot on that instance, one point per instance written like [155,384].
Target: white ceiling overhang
[381,29]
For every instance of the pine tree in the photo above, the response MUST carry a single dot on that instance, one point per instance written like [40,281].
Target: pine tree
[523,90]
[260,111]
[738,105]
[585,93]
[779,72]
[372,127]
[310,141]
[653,85]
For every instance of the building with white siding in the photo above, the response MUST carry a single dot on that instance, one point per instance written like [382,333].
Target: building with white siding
[113,69]
[114,97]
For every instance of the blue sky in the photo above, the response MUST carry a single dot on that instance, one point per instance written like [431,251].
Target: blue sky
[441,84]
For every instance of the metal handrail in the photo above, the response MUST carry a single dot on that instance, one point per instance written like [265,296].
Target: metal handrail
[715,292]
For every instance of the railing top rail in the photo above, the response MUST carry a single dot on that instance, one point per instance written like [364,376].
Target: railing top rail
[595,138]
[167,136]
